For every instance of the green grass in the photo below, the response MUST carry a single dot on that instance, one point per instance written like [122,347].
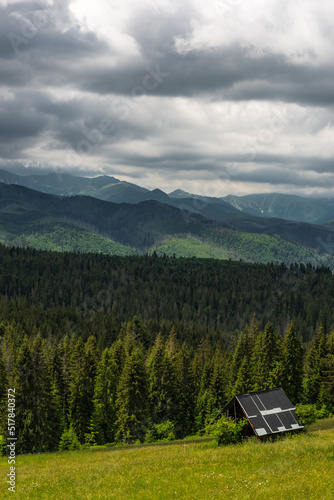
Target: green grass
[297,467]
[62,236]
[321,425]
[262,247]
[191,247]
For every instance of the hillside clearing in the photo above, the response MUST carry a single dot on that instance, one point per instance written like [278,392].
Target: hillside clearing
[297,467]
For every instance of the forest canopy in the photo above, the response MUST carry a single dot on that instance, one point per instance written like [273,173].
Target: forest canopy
[105,349]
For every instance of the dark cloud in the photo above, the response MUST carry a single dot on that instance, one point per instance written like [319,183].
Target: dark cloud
[42,46]
[71,56]
[60,80]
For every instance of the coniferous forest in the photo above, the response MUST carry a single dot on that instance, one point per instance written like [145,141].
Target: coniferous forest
[107,349]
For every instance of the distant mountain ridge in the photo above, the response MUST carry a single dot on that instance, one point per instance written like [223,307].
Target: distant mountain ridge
[285,206]
[109,188]
[102,187]
[83,223]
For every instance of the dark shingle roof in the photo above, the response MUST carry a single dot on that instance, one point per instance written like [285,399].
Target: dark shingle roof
[268,412]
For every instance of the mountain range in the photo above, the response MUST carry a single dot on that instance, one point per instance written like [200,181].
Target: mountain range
[108,188]
[103,214]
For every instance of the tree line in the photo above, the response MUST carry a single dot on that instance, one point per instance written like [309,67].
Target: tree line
[70,392]
[122,349]
[61,292]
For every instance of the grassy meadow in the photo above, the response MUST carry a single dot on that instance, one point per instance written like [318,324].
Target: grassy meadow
[296,467]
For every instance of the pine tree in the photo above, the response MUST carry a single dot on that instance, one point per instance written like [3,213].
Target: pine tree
[172,345]
[201,371]
[37,415]
[219,380]
[243,382]
[117,355]
[135,335]
[82,381]
[162,384]
[314,366]
[59,379]
[131,401]
[292,365]
[265,354]
[186,393]
[106,383]
[201,367]
[242,358]
[328,383]
[253,330]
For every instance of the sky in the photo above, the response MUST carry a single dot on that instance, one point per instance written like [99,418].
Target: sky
[215,97]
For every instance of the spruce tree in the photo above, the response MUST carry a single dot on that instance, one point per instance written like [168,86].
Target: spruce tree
[106,383]
[242,358]
[186,393]
[219,380]
[314,366]
[162,393]
[265,354]
[292,365]
[82,381]
[37,416]
[201,367]
[243,382]
[131,401]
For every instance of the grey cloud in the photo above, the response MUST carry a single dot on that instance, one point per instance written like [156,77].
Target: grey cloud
[39,45]
[65,56]
[71,57]
[312,172]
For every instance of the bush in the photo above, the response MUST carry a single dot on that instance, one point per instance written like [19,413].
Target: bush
[308,414]
[68,440]
[2,443]
[227,431]
[161,432]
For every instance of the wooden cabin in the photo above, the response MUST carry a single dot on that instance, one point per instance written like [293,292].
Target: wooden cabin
[269,413]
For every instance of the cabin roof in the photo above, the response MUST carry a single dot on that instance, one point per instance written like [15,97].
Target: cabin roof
[268,412]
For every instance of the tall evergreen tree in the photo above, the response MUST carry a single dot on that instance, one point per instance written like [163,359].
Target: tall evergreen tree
[243,382]
[266,352]
[104,415]
[135,334]
[314,366]
[219,380]
[201,367]
[131,402]
[186,393]
[242,358]
[162,392]
[292,365]
[82,381]
[37,415]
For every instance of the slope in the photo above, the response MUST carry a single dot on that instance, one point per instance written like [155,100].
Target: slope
[293,468]
[26,213]
[285,206]
[103,187]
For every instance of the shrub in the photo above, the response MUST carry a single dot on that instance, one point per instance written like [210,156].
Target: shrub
[68,440]
[2,443]
[308,414]
[227,431]
[161,432]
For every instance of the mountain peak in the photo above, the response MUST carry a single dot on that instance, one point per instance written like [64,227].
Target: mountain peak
[179,193]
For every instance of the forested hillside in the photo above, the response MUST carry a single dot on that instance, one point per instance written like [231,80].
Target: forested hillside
[81,223]
[102,349]
[285,206]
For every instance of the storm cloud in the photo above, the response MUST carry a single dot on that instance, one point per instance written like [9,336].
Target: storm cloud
[216,96]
